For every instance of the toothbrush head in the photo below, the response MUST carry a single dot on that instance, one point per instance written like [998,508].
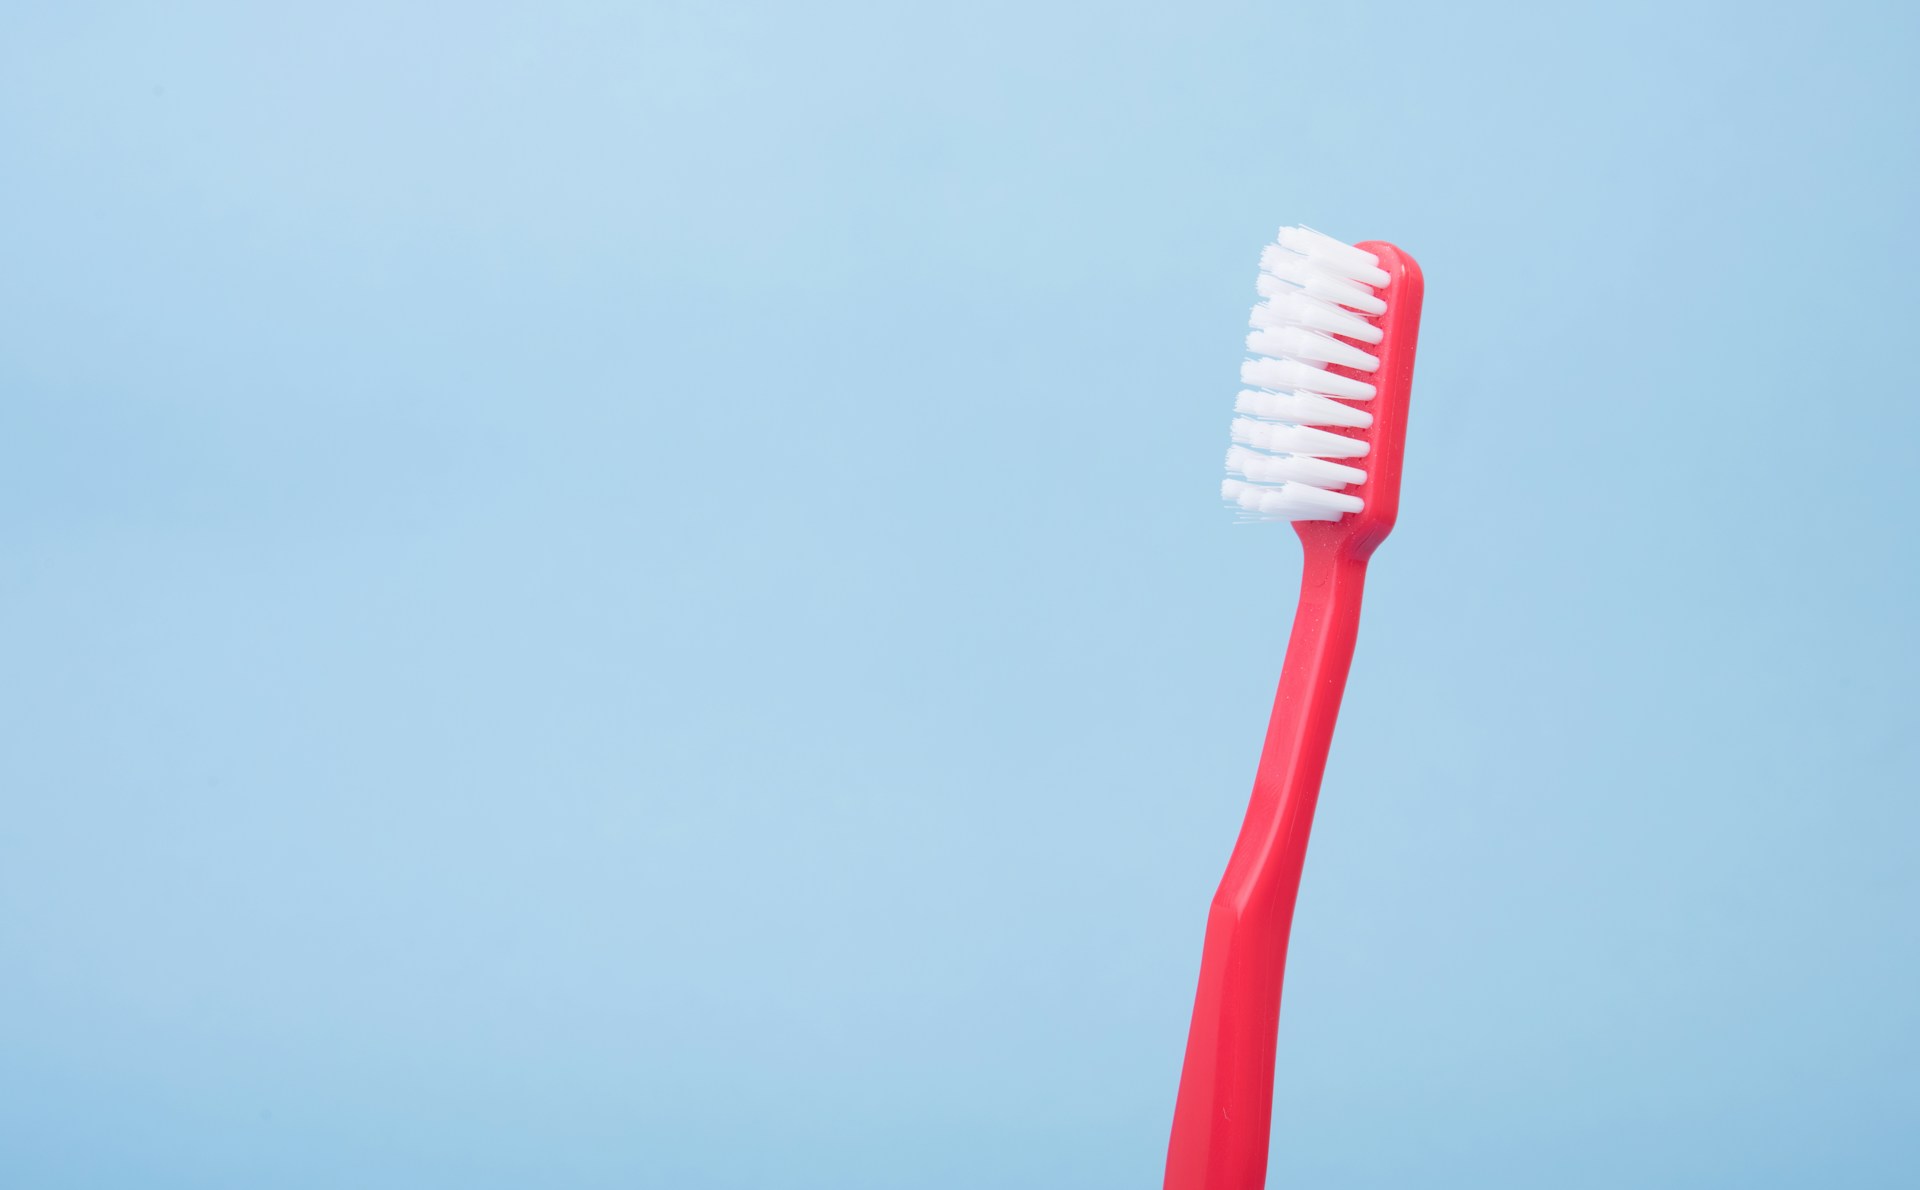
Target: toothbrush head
[1323,415]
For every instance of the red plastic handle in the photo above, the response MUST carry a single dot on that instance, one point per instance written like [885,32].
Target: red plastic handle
[1223,1117]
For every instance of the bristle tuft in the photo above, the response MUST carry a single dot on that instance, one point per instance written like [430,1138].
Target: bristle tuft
[1319,303]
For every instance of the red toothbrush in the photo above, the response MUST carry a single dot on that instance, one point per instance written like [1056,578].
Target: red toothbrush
[1325,416]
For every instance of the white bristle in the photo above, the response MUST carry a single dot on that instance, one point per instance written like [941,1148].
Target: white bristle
[1285,373]
[1281,467]
[1282,267]
[1296,440]
[1260,468]
[1303,344]
[1302,409]
[1292,307]
[1332,255]
[1289,501]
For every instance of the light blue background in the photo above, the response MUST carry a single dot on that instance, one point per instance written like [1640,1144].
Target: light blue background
[611,595]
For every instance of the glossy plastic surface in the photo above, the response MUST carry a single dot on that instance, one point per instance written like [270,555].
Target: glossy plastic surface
[1224,1113]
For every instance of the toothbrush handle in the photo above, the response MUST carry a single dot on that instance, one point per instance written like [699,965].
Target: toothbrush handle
[1223,1116]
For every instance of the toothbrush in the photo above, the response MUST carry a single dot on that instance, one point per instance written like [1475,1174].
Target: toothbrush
[1318,442]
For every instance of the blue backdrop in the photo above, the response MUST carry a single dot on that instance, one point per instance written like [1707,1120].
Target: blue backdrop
[605,595]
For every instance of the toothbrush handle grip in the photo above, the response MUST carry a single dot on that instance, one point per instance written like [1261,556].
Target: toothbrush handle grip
[1223,1116]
